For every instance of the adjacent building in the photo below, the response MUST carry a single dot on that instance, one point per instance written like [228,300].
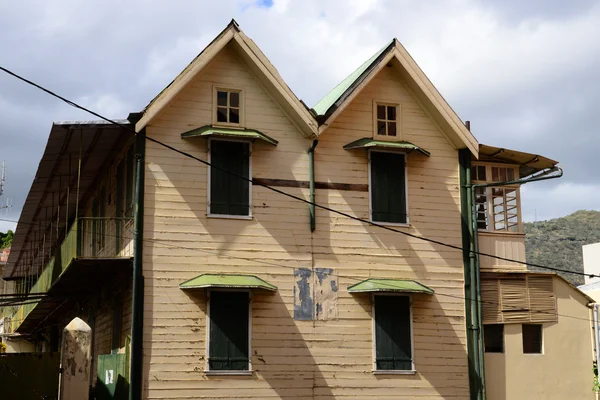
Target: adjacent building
[294,252]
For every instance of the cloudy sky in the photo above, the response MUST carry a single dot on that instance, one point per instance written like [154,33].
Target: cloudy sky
[526,73]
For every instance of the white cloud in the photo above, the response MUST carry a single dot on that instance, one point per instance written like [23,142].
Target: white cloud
[542,202]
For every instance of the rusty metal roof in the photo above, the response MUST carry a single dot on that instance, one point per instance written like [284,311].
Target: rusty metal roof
[96,142]
[528,163]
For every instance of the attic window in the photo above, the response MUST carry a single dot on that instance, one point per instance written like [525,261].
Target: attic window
[386,121]
[228,107]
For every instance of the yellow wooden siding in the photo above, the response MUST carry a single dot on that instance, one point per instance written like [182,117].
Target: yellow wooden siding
[321,359]
[511,246]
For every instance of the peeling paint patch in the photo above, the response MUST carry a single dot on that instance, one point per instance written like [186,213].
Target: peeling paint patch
[303,301]
[326,297]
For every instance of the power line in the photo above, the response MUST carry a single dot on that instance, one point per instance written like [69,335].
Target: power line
[326,208]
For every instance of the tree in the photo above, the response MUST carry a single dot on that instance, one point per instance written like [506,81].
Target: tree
[6,239]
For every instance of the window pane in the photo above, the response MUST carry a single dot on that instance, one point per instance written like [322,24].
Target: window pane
[388,191]
[234,115]
[380,112]
[482,208]
[493,338]
[234,99]
[229,317]
[481,173]
[380,127]
[532,339]
[391,113]
[229,194]
[495,174]
[391,128]
[510,174]
[222,114]
[221,98]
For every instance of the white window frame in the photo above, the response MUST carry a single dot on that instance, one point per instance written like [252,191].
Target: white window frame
[229,216]
[489,200]
[207,370]
[376,371]
[400,224]
[398,120]
[216,89]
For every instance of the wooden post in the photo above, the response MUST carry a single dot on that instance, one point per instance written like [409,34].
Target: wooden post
[75,361]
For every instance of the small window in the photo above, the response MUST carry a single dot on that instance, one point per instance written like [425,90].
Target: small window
[493,338]
[393,343]
[229,192]
[228,107]
[388,187]
[532,339]
[229,341]
[387,119]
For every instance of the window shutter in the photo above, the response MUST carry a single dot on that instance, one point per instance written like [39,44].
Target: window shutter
[490,301]
[229,318]
[542,302]
[515,304]
[388,187]
[229,194]
[392,333]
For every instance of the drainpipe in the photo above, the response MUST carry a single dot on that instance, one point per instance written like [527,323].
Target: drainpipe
[137,306]
[596,332]
[311,166]
[475,284]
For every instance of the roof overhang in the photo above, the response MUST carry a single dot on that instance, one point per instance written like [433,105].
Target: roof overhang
[528,163]
[257,63]
[370,143]
[227,281]
[390,285]
[396,56]
[95,143]
[210,131]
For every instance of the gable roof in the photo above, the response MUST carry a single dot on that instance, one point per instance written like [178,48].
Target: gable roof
[257,63]
[328,108]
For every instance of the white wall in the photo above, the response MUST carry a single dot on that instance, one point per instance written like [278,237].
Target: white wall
[591,261]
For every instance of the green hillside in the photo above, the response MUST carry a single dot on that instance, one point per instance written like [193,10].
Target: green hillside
[557,242]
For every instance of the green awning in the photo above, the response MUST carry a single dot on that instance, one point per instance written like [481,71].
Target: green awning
[370,143]
[389,285]
[209,130]
[205,281]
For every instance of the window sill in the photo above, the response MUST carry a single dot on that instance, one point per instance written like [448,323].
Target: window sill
[228,373]
[394,372]
[226,216]
[396,224]
[484,232]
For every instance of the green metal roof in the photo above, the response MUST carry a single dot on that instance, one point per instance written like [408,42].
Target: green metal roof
[209,130]
[348,84]
[368,143]
[227,281]
[389,285]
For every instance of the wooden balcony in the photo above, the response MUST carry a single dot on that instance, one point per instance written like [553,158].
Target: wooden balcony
[93,250]
[508,245]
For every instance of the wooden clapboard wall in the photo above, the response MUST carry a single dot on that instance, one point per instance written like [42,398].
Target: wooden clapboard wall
[331,355]
[517,298]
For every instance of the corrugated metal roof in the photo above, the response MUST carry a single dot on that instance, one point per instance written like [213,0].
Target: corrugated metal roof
[347,85]
[389,285]
[227,281]
[96,142]
[209,130]
[528,163]
[370,143]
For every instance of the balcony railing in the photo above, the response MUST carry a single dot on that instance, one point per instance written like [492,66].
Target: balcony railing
[88,238]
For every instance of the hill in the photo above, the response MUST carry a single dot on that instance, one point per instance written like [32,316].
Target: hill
[557,242]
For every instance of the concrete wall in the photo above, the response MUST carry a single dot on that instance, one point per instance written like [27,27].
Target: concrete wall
[563,371]
[332,355]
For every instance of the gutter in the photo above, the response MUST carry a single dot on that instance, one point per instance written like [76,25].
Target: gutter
[137,303]
[311,166]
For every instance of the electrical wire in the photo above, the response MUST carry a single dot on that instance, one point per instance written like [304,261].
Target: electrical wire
[326,208]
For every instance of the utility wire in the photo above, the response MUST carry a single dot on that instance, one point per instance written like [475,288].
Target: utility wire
[326,208]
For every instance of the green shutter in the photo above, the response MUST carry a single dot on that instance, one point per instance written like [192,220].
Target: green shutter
[229,194]
[392,333]
[388,187]
[229,314]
